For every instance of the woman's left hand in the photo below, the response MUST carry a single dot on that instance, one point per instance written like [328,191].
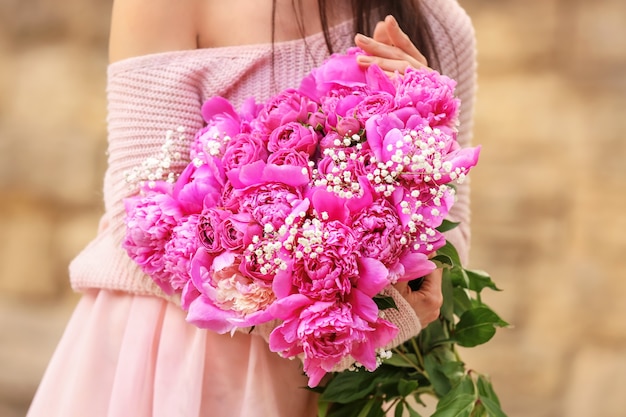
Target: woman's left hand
[390,48]
[426,301]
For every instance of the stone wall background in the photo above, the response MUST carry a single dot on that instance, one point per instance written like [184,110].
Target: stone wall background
[548,195]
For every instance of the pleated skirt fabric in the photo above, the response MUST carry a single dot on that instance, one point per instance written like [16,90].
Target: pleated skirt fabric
[127,355]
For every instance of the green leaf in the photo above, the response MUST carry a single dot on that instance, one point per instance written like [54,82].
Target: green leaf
[412,412]
[385,302]
[322,408]
[454,371]
[462,302]
[432,335]
[432,363]
[460,406]
[479,280]
[485,389]
[349,386]
[346,410]
[450,251]
[464,386]
[479,410]
[493,408]
[447,225]
[399,411]
[442,260]
[447,290]
[368,406]
[477,326]
[459,277]
[406,387]
[406,360]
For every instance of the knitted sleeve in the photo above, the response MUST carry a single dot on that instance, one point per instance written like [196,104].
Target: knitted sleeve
[150,111]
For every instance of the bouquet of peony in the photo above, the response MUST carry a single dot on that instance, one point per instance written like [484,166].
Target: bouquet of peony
[304,209]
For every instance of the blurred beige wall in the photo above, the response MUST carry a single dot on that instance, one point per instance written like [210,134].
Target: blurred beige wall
[548,195]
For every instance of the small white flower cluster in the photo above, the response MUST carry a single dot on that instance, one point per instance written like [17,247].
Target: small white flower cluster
[265,253]
[212,147]
[341,180]
[293,235]
[381,355]
[158,168]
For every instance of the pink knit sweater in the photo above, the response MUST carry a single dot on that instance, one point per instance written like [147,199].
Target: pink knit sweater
[151,95]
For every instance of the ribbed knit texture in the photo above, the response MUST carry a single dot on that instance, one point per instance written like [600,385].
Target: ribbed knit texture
[150,95]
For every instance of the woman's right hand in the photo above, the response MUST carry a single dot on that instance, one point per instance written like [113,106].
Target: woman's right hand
[390,48]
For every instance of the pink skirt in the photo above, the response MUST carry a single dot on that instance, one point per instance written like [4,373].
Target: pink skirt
[126,355]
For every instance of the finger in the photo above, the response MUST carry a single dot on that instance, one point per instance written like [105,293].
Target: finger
[432,282]
[402,288]
[384,55]
[380,33]
[390,66]
[402,41]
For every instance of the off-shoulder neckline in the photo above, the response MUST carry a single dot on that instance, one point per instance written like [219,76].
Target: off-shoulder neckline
[245,50]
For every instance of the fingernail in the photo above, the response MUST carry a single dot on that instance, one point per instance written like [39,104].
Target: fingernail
[363,38]
[364,59]
[392,20]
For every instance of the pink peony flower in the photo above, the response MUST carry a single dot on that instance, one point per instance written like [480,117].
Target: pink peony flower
[243,149]
[294,136]
[199,186]
[238,230]
[432,94]
[179,250]
[326,333]
[290,157]
[326,261]
[270,203]
[150,220]
[223,123]
[286,107]
[208,229]
[229,198]
[224,298]
[221,117]
[340,70]
[348,126]
[380,232]
[340,103]
[374,104]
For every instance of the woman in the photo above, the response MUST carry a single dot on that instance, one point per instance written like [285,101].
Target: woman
[127,351]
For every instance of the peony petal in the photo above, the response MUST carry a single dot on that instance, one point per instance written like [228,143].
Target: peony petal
[292,175]
[282,284]
[379,81]
[200,267]
[363,305]
[204,314]
[416,265]
[385,332]
[223,261]
[285,308]
[315,374]
[324,201]
[373,276]
[365,353]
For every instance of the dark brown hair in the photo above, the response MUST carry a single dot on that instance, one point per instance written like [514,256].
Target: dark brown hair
[365,12]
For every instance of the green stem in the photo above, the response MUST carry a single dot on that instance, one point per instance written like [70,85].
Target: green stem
[406,358]
[393,404]
[417,353]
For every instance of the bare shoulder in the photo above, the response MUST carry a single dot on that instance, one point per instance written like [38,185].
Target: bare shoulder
[140,27]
